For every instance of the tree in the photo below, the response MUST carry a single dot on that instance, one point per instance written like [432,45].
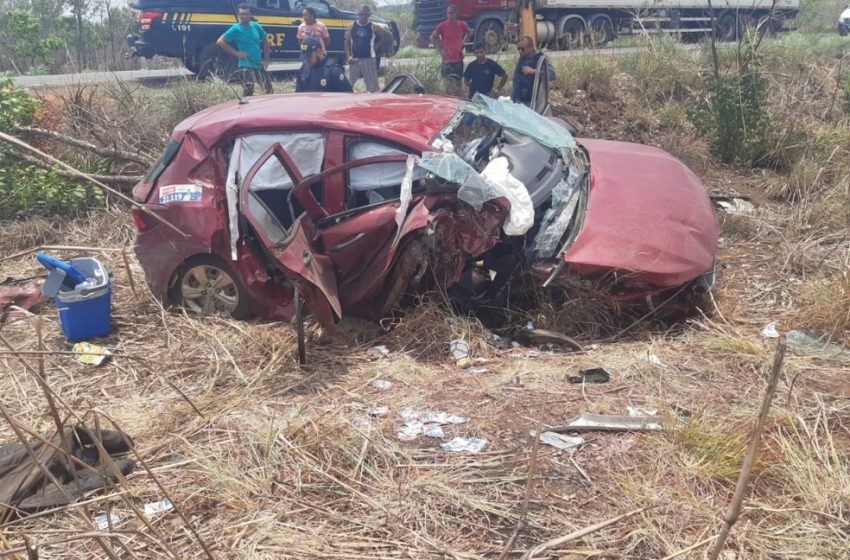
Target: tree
[26,44]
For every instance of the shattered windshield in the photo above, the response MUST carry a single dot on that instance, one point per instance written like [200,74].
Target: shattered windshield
[493,149]
[498,149]
[521,119]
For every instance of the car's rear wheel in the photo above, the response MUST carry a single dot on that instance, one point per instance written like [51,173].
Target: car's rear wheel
[206,285]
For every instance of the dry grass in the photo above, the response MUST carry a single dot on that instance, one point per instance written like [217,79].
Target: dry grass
[827,307]
[267,460]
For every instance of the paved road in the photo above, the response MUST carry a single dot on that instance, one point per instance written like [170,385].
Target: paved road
[279,70]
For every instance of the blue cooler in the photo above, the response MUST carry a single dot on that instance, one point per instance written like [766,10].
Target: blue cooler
[85,309]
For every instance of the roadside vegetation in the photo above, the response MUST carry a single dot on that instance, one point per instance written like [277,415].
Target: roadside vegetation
[268,460]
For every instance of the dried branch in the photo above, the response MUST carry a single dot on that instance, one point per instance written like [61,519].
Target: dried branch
[752,452]
[548,545]
[103,151]
[111,179]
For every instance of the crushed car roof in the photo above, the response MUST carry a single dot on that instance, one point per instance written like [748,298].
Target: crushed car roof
[406,118]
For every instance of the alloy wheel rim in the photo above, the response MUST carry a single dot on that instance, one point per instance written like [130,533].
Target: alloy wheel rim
[209,290]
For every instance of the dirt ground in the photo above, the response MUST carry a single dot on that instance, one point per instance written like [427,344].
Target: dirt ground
[265,459]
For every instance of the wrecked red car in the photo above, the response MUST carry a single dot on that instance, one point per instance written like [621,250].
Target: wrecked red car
[348,202]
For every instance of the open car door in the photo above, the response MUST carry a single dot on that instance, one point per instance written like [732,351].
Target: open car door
[540,92]
[292,249]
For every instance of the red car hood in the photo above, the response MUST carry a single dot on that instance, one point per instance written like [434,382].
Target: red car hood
[647,215]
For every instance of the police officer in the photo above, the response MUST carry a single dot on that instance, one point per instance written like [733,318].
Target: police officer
[318,72]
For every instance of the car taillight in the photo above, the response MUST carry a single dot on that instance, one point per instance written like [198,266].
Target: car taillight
[147,18]
[143,220]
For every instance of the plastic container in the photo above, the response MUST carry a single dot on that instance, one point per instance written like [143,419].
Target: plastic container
[61,274]
[85,311]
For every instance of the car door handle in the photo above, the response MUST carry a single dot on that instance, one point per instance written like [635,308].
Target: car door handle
[348,242]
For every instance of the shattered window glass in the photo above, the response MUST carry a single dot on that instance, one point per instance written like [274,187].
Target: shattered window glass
[519,118]
[474,189]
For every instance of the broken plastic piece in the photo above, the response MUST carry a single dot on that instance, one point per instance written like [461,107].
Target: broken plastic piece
[379,411]
[467,445]
[592,375]
[102,521]
[382,384]
[635,411]
[654,359]
[410,431]
[90,354]
[812,344]
[378,352]
[560,441]
[459,349]
[158,507]
[587,422]
[770,331]
[433,431]
[734,205]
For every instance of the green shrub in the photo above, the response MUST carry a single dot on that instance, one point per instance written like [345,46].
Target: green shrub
[16,106]
[29,189]
[732,115]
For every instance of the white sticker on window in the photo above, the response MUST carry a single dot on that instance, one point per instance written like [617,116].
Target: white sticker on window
[180,193]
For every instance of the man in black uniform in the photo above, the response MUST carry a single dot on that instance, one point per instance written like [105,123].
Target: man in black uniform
[318,72]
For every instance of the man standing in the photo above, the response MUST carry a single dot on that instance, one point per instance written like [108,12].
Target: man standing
[449,36]
[252,50]
[480,74]
[363,40]
[318,72]
[526,71]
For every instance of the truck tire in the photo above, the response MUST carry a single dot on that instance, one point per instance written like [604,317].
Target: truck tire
[572,32]
[491,33]
[215,62]
[600,29]
[727,27]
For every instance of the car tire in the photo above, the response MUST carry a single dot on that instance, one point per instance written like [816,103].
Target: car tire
[215,62]
[206,285]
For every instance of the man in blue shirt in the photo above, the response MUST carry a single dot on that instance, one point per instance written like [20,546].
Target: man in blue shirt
[252,50]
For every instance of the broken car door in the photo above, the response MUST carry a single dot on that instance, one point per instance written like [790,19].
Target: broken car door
[292,248]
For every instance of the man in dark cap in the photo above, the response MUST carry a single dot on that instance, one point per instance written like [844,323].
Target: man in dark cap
[318,72]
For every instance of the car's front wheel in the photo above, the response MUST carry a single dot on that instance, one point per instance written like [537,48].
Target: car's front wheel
[206,285]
